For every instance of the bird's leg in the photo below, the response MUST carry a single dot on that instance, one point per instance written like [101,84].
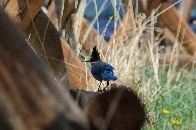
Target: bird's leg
[104,89]
[99,90]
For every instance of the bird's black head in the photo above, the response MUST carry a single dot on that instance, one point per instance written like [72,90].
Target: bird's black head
[95,55]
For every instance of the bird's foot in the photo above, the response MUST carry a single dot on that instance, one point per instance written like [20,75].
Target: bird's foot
[99,90]
[104,90]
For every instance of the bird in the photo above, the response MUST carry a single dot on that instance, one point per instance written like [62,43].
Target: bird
[100,70]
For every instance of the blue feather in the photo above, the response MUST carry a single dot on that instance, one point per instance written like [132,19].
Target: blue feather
[100,70]
[108,66]
[108,75]
[103,71]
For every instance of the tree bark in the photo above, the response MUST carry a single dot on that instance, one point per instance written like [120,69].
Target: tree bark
[24,14]
[46,40]
[30,97]
[24,11]
[186,6]
[171,19]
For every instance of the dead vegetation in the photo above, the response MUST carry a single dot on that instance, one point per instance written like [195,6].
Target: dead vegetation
[35,66]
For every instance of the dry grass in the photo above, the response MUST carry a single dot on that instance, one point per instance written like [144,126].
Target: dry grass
[158,87]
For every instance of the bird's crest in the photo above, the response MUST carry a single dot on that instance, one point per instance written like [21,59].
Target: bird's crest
[95,55]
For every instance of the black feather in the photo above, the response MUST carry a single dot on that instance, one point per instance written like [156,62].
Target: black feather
[95,55]
[100,70]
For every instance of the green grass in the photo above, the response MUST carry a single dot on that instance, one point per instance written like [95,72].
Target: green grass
[178,97]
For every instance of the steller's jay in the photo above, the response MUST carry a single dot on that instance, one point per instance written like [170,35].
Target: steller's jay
[100,70]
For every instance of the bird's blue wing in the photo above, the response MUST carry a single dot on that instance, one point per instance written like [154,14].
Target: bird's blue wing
[108,67]
[96,68]
[108,75]
[96,71]
[103,71]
